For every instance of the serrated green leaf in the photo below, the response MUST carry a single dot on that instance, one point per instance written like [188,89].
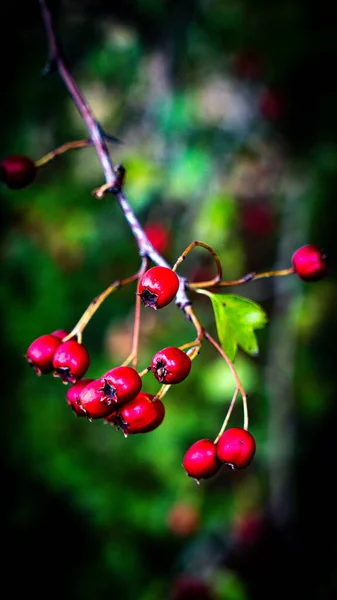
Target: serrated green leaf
[236,319]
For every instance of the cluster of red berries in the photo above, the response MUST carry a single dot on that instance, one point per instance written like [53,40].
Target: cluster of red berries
[235,448]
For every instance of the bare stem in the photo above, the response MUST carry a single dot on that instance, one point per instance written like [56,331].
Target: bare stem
[244,279]
[96,135]
[229,412]
[192,245]
[60,150]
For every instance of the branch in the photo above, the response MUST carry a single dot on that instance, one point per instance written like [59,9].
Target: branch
[97,137]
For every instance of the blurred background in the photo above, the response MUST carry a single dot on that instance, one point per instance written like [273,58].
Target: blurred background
[227,113]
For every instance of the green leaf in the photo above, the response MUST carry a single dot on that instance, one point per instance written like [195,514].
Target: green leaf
[236,319]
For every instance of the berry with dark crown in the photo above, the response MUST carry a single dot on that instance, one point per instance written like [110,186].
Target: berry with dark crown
[40,353]
[171,365]
[158,287]
[70,361]
[140,415]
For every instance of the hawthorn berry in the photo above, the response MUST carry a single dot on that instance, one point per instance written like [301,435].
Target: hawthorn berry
[310,263]
[236,448]
[201,460]
[158,286]
[94,402]
[158,235]
[72,396]
[171,365]
[40,353]
[70,361]
[17,171]
[121,384]
[140,415]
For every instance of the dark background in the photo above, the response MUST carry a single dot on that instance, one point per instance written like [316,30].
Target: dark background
[227,111]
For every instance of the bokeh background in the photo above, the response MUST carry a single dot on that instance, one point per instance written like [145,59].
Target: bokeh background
[227,113]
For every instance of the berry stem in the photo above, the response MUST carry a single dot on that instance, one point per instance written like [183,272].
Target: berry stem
[61,149]
[229,412]
[162,391]
[133,356]
[244,279]
[96,303]
[238,383]
[192,245]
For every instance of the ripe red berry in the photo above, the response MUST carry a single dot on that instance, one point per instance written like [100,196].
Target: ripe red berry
[95,403]
[140,415]
[236,448]
[158,286]
[60,333]
[70,361]
[121,384]
[73,393]
[158,235]
[40,353]
[17,171]
[201,460]
[171,365]
[183,519]
[310,263]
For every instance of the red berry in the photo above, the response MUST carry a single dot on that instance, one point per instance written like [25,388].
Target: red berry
[171,365]
[158,235]
[73,393]
[236,448]
[258,219]
[140,415]
[183,519]
[121,384]
[158,286]
[70,361]
[201,460]
[40,353]
[272,104]
[60,333]
[95,403]
[309,263]
[17,171]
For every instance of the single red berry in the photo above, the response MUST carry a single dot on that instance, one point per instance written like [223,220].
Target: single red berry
[158,286]
[40,353]
[201,460]
[272,104]
[70,361]
[171,365]
[183,519]
[94,402]
[17,171]
[310,263]
[60,333]
[258,219]
[140,415]
[158,235]
[121,384]
[73,393]
[236,448]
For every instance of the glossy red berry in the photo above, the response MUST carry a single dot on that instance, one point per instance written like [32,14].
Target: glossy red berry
[201,460]
[73,394]
[121,384]
[40,353]
[140,415]
[60,333]
[158,286]
[236,448]
[70,361]
[158,235]
[171,365]
[94,401]
[310,263]
[17,171]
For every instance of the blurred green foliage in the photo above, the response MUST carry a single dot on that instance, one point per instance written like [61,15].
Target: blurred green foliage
[88,510]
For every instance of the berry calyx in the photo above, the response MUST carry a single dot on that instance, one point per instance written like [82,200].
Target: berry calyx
[201,460]
[73,393]
[171,365]
[70,361]
[158,286]
[93,401]
[40,353]
[121,384]
[236,448]
[310,263]
[140,415]
[17,171]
